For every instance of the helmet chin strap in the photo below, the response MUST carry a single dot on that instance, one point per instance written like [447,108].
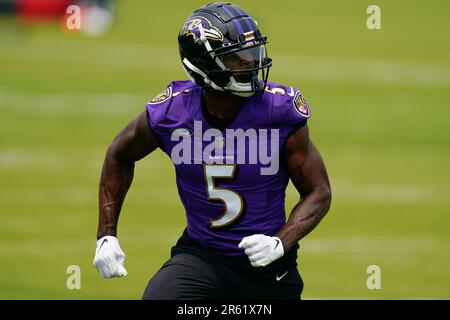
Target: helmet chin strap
[188,64]
[242,94]
[234,87]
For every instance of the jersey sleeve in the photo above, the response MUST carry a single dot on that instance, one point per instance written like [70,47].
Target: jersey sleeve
[289,107]
[167,111]
[157,114]
[297,109]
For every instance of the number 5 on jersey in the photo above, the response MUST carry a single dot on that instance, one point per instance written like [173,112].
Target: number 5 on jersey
[232,200]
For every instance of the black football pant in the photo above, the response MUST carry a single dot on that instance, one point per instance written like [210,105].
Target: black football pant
[191,276]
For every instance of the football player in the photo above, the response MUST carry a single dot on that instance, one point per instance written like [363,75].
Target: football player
[237,243]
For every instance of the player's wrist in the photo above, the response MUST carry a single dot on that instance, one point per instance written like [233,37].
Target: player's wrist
[108,238]
[106,233]
[102,235]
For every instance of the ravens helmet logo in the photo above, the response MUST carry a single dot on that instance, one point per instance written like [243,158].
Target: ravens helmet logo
[193,28]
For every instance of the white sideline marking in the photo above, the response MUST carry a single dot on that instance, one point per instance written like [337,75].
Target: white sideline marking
[53,159]
[385,193]
[136,56]
[366,70]
[58,104]
[385,245]
[22,157]
[401,194]
[161,236]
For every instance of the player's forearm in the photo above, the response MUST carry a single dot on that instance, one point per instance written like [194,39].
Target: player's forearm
[115,181]
[305,216]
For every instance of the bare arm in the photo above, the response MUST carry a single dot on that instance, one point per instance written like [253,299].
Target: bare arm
[132,144]
[309,176]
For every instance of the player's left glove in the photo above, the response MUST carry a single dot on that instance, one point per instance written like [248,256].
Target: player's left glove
[262,250]
[109,258]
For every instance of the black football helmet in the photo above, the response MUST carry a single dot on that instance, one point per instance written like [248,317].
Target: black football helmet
[222,48]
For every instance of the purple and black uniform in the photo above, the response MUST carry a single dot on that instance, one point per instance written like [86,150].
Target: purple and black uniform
[262,195]
[227,199]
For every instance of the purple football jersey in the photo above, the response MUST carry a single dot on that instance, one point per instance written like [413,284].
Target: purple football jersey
[232,181]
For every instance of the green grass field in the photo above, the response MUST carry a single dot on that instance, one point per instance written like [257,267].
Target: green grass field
[381,118]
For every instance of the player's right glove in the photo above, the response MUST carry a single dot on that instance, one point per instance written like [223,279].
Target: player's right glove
[109,258]
[261,249]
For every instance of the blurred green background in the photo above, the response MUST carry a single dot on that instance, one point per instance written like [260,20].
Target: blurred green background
[381,118]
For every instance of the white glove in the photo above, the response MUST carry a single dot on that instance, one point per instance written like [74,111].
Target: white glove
[109,258]
[262,250]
